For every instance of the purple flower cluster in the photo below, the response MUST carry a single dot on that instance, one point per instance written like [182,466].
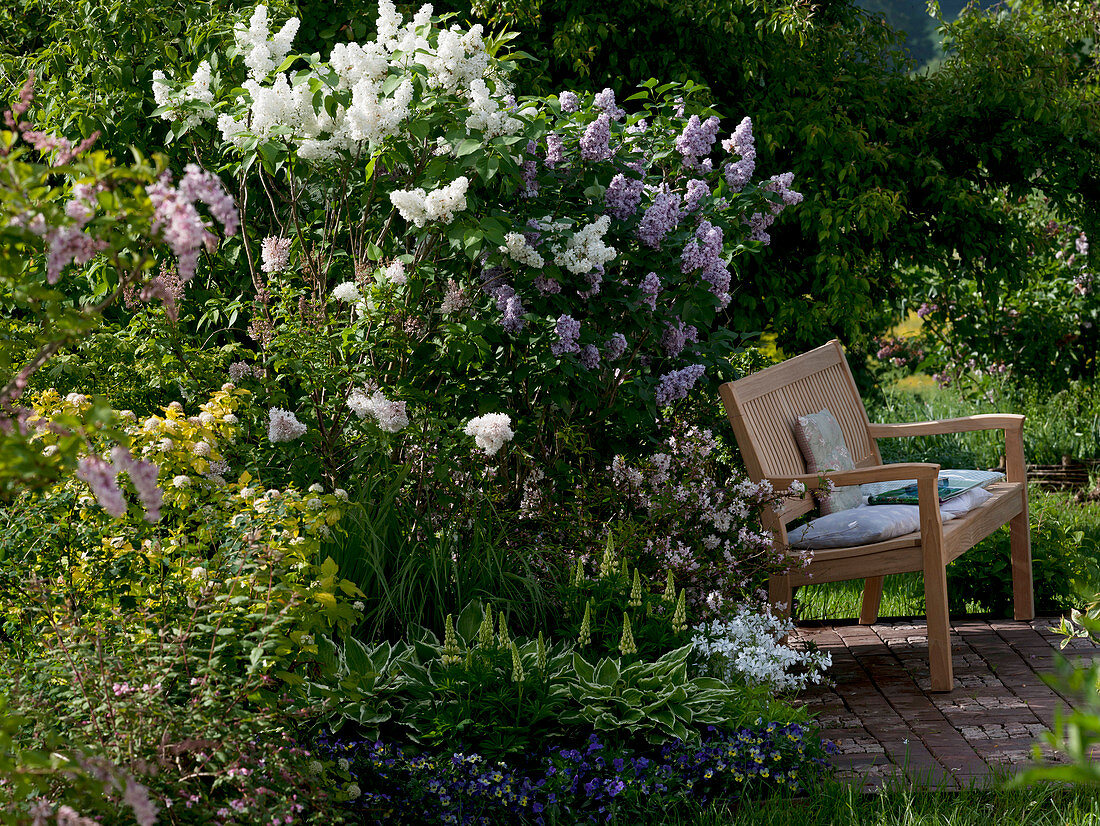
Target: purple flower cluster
[650,287]
[568,330]
[697,139]
[589,357]
[508,302]
[615,347]
[531,172]
[596,140]
[697,190]
[677,384]
[555,149]
[662,216]
[704,252]
[569,102]
[759,222]
[595,282]
[742,144]
[623,196]
[605,102]
[677,336]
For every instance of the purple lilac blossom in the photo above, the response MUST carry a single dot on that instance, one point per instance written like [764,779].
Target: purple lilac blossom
[662,216]
[569,102]
[531,172]
[697,190]
[101,478]
[511,308]
[677,384]
[650,286]
[590,357]
[595,281]
[596,140]
[568,330]
[677,336]
[547,286]
[615,347]
[697,139]
[742,143]
[555,149]
[605,102]
[623,196]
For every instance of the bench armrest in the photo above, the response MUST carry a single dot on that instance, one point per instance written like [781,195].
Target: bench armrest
[859,476]
[1011,423]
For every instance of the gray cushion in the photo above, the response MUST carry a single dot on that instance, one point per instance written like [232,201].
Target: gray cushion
[821,441]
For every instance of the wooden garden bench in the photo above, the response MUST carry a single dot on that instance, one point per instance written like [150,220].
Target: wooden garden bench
[763,409]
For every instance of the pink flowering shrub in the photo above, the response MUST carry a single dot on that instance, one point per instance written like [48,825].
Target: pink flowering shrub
[698,520]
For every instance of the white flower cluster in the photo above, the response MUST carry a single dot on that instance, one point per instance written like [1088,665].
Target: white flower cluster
[261,52]
[419,207]
[586,249]
[198,91]
[391,416]
[459,60]
[747,647]
[517,248]
[485,113]
[395,273]
[347,292]
[490,431]
[283,426]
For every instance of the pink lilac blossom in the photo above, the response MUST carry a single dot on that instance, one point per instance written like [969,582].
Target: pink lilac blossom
[455,301]
[596,140]
[179,223]
[615,347]
[662,216]
[568,330]
[274,254]
[144,476]
[199,185]
[283,426]
[569,102]
[101,478]
[605,102]
[697,139]
[677,384]
[622,196]
[69,245]
[589,357]
[650,287]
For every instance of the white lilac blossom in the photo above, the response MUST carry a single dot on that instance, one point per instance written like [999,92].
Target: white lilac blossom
[274,254]
[517,248]
[1082,244]
[650,287]
[490,431]
[283,426]
[677,384]
[568,330]
[662,216]
[455,301]
[395,273]
[596,141]
[569,102]
[747,646]
[419,207]
[261,52]
[586,248]
[347,292]
[390,415]
[486,115]
[623,195]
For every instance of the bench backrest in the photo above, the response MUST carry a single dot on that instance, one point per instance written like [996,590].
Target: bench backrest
[764,406]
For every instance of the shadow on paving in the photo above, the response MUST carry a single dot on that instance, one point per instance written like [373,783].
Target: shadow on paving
[887,724]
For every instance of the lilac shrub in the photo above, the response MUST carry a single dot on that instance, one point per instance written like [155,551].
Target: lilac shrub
[545,245]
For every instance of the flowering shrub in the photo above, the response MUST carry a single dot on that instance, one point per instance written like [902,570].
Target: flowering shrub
[552,258]
[747,646]
[592,781]
[705,532]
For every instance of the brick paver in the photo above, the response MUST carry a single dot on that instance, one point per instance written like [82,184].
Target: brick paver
[876,705]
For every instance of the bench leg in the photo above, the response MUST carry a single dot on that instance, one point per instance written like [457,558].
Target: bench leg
[780,595]
[939,627]
[1023,593]
[872,598]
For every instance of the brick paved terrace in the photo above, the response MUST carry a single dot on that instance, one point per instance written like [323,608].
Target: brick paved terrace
[879,711]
